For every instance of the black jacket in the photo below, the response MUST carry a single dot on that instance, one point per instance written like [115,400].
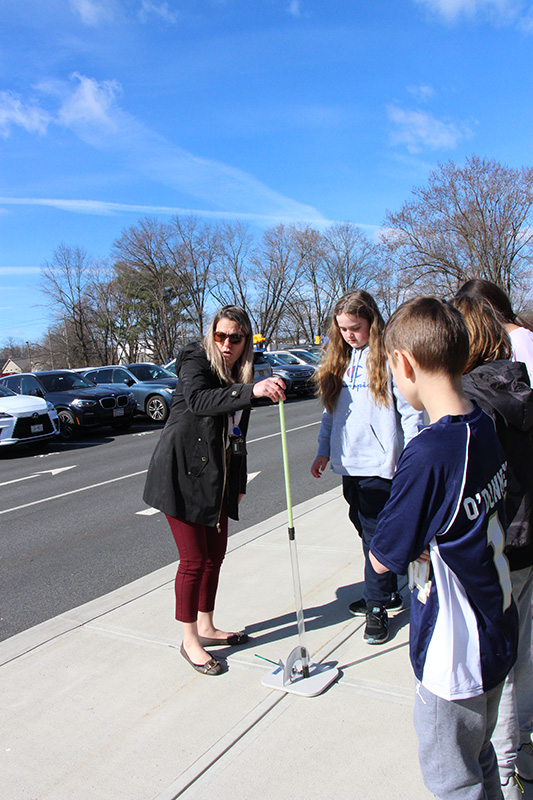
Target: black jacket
[188,476]
[502,389]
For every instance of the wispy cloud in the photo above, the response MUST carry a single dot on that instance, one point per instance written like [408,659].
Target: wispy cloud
[105,208]
[419,130]
[498,10]
[90,105]
[526,22]
[90,109]
[294,8]
[93,12]
[423,93]
[19,271]
[161,10]
[14,112]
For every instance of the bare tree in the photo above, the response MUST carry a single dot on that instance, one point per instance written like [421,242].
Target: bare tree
[231,279]
[351,259]
[276,268]
[12,348]
[311,299]
[53,350]
[66,280]
[145,277]
[388,285]
[471,221]
[194,247]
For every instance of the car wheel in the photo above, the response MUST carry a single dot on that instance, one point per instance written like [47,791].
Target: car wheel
[67,424]
[157,409]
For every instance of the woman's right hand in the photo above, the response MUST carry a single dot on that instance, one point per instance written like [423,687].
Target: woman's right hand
[274,388]
[319,465]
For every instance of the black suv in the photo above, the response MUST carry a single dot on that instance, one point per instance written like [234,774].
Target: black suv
[79,403]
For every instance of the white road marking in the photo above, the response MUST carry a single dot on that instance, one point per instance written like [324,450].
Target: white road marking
[291,430]
[36,474]
[57,470]
[74,491]
[131,475]
[147,512]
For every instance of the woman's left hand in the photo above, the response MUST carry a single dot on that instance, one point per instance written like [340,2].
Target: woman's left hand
[274,388]
[240,498]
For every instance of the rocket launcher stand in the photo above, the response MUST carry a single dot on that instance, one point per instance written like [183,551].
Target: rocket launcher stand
[297,674]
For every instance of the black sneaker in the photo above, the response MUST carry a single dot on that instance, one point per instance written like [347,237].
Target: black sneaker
[377,625]
[394,606]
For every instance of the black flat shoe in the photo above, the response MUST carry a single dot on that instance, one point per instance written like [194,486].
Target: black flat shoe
[232,640]
[211,667]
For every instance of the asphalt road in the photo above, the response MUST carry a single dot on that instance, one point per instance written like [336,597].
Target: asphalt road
[73,525]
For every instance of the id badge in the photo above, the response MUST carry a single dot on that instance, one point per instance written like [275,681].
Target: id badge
[238,447]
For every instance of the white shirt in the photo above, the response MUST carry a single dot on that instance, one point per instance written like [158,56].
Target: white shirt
[522,344]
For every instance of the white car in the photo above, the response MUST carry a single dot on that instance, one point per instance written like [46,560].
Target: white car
[24,419]
[305,356]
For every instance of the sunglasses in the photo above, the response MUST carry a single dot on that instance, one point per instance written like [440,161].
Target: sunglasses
[220,337]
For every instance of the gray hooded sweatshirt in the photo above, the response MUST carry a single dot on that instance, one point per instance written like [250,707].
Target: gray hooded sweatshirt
[360,437]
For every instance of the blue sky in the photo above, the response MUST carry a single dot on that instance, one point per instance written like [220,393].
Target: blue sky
[259,110]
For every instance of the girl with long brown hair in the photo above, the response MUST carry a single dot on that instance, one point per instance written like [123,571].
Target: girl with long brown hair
[365,424]
[518,330]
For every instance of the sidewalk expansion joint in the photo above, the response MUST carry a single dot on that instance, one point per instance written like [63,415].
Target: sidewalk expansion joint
[224,746]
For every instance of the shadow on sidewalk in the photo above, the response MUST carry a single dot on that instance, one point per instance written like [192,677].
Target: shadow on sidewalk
[316,618]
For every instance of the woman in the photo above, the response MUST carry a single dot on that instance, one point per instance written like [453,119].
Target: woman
[363,431]
[501,388]
[197,475]
[519,332]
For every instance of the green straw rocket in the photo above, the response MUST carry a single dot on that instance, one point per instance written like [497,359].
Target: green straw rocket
[292,547]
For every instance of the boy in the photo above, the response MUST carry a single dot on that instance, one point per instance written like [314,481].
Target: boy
[445,513]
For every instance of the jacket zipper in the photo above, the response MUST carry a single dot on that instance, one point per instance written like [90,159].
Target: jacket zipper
[225,476]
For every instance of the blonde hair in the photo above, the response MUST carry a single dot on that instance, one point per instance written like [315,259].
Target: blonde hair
[338,352]
[489,340]
[243,369]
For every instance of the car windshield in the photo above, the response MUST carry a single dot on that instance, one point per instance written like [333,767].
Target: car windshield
[171,368]
[5,392]
[286,358]
[149,372]
[272,359]
[64,381]
[307,356]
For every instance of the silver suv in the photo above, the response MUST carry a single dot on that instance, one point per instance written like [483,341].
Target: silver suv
[152,386]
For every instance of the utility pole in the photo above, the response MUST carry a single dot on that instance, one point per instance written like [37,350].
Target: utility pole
[29,355]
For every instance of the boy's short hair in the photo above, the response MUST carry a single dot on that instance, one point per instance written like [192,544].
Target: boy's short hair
[432,331]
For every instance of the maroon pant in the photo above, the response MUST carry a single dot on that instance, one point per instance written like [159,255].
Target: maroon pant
[202,550]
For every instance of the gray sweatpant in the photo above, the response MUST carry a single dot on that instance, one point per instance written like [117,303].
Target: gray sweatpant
[456,756]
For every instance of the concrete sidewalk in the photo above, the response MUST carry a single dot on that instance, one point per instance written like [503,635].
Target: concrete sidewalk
[98,704]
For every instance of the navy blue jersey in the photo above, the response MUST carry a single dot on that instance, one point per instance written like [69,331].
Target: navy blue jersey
[448,496]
